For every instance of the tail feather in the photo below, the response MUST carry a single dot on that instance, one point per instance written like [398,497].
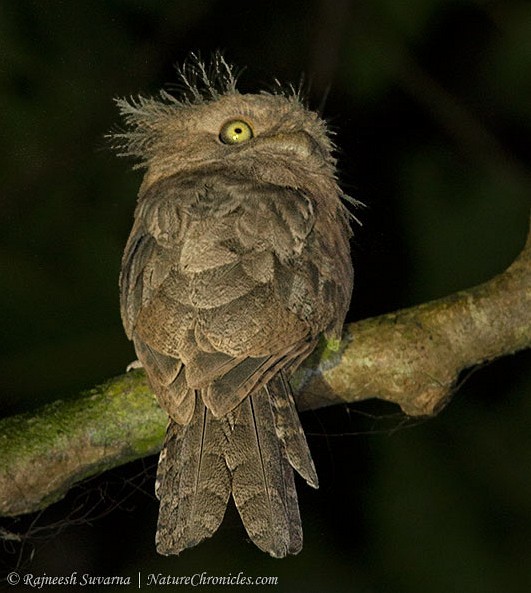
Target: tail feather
[193,482]
[292,505]
[289,429]
[249,453]
[256,460]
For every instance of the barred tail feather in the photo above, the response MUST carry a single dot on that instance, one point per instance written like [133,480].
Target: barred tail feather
[289,429]
[262,480]
[250,453]
[193,482]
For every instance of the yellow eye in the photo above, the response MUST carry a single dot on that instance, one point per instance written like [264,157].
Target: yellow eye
[235,131]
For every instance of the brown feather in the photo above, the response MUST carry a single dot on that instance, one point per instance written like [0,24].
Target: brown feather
[289,429]
[193,483]
[237,262]
[256,458]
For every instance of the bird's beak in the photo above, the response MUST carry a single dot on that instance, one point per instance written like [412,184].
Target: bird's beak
[299,143]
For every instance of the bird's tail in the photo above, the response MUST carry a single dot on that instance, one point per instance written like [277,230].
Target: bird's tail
[193,482]
[249,453]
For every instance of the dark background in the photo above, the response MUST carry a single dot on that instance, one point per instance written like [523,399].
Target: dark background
[431,102]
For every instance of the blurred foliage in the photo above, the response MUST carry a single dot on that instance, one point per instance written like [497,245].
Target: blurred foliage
[430,100]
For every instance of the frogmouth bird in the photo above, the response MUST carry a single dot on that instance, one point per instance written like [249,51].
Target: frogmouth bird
[237,262]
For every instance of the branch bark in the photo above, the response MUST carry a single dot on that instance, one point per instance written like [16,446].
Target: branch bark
[411,357]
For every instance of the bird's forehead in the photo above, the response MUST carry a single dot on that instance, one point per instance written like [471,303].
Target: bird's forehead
[261,110]
[262,105]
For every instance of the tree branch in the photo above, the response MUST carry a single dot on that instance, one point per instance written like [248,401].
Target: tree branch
[411,357]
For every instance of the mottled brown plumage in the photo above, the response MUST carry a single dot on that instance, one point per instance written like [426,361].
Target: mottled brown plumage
[237,262]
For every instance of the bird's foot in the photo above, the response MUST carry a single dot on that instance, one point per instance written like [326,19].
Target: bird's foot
[136,364]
